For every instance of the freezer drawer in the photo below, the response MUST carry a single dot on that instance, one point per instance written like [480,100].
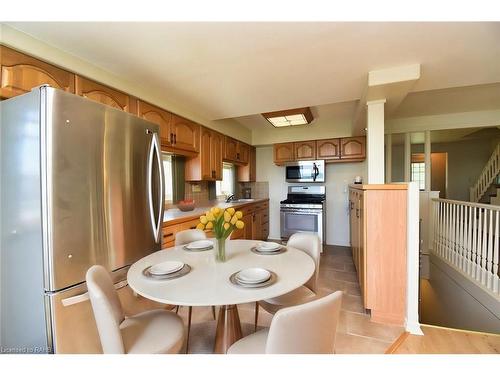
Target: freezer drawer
[72,324]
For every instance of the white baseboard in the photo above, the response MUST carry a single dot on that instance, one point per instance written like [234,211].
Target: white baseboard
[414,328]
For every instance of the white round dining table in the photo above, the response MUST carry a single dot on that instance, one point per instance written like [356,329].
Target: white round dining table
[208,283]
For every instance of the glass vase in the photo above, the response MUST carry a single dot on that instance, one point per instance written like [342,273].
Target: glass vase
[220,250]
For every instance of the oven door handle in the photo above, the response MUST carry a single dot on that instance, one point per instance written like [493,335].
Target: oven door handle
[303,212]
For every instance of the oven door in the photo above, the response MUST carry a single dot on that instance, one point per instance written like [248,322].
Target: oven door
[301,220]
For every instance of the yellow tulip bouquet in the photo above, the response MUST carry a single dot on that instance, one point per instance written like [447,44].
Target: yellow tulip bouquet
[222,222]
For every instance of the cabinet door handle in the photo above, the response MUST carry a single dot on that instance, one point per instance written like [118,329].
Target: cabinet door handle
[357,212]
[172,138]
[351,204]
[175,138]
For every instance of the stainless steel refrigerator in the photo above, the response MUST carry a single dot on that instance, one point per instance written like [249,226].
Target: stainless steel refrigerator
[81,184]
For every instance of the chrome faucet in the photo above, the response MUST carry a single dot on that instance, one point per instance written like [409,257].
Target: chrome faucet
[229,198]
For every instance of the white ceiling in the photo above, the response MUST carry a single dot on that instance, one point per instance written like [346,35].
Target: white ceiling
[457,99]
[226,70]
[323,115]
[451,135]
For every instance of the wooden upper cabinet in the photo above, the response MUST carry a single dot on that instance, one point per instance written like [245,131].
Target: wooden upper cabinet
[20,73]
[353,148]
[206,158]
[236,151]
[243,152]
[335,150]
[328,149]
[157,116]
[216,154]
[185,134]
[103,94]
[231,149]
[283,152]
[305,150]
[247,173]
[207,165]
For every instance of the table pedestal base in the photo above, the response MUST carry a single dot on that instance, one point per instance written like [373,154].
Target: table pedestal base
[228,328]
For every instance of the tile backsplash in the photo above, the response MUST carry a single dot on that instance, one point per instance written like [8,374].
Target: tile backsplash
[199,196]
[260,189]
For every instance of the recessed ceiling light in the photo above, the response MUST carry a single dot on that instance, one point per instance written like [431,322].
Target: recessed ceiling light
[289,117]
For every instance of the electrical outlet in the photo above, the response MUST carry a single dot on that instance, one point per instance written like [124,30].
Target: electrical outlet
[196,188]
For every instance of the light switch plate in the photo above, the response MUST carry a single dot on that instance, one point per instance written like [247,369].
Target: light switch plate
[195,188]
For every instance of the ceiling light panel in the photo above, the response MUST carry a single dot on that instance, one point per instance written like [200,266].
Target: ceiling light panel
[290,117]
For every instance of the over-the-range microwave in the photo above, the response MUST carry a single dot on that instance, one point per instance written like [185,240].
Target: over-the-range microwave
[305,171]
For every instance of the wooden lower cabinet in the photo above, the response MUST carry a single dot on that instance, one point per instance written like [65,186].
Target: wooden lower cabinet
[257,225]
[169,231]
[260,221]
[255,217]
[168,236]
[378,241]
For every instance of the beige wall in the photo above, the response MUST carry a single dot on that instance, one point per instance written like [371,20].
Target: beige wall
[439,166]
[28,44]
[466,160]
[338,176]
[444,301]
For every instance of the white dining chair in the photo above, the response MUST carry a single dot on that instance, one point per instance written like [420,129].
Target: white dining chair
[182,238]
[149,332]
[309,243]
[309,328]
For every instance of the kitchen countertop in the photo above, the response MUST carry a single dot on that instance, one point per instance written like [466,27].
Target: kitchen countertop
[175,215]
[393,186]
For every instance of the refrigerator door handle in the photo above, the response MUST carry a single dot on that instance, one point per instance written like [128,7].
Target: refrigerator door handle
[156,222]
[85,296]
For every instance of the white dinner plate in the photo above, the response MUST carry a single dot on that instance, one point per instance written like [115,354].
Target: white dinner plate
[201,244]
[268,246]
[253,275]
[166,268]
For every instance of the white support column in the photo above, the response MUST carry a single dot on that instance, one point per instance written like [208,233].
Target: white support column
[427,160]
[388,158]
[412,260]
[375,141]
[407,157]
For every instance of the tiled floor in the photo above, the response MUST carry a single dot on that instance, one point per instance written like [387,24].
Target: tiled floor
[355,333]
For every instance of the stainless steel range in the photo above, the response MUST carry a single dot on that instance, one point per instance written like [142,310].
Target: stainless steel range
[304,210]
